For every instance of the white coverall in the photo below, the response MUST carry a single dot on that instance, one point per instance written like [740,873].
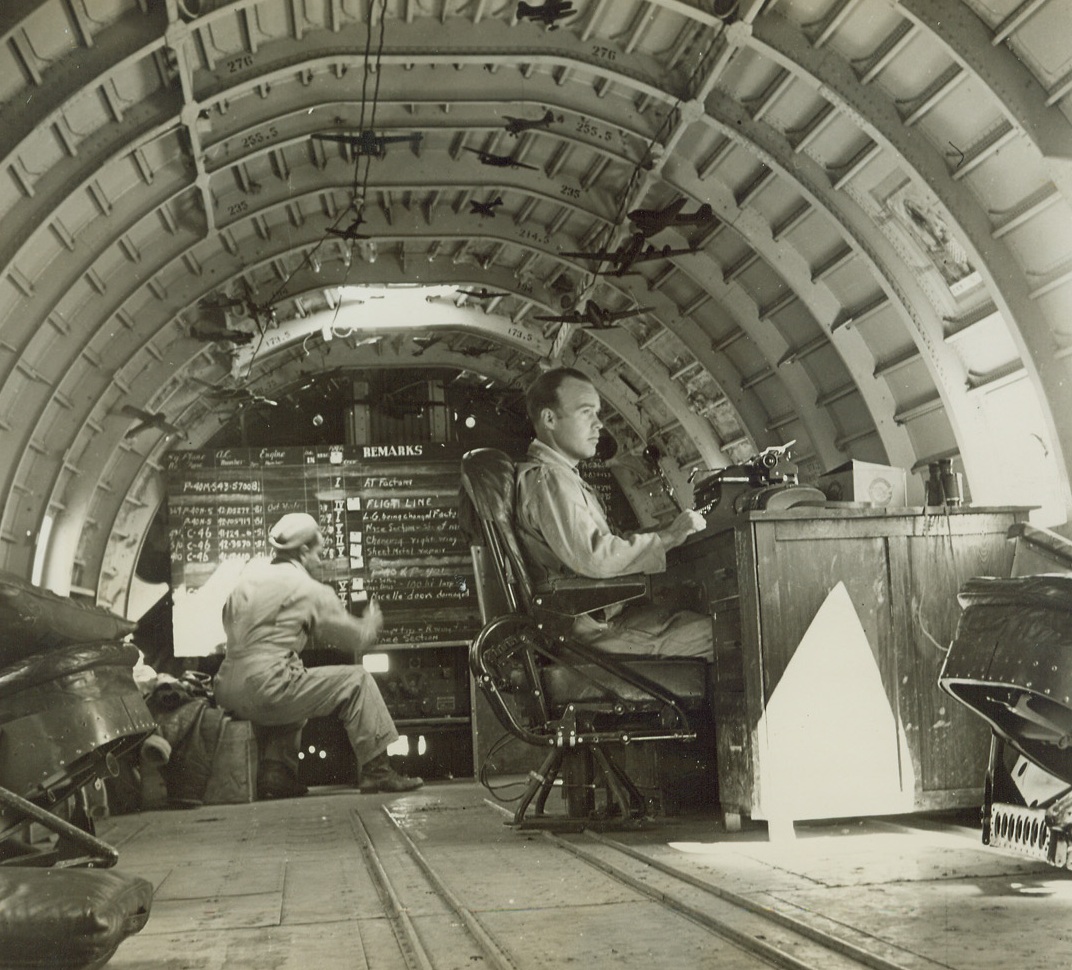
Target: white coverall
[269,618]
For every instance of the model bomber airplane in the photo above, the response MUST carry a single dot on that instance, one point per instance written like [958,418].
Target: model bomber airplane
[629,252]
[368,142]
[514,126]
[593,315]
[499,161]
[482,294]
[486,210]
[234,336]
[548,13]
[651,221]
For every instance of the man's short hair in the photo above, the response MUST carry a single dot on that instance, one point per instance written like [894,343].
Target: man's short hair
[543,392]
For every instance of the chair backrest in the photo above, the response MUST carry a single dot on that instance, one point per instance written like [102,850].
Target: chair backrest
[489,484]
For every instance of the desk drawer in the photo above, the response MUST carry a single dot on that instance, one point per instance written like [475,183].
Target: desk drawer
[721,584]
[727,621]
[729,656]
[710,560]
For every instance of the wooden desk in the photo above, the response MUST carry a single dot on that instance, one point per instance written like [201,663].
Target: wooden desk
[766,580]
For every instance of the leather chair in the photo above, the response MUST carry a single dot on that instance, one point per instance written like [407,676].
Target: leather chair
[584,707]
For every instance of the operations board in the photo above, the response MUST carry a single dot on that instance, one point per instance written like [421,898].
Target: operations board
[389,518]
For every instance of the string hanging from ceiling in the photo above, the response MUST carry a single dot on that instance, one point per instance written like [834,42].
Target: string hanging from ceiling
[358,195]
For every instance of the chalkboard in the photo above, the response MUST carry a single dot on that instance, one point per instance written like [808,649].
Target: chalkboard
[388,514]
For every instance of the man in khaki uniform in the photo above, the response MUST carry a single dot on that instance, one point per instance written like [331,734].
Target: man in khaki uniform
[269,618]
[564,530]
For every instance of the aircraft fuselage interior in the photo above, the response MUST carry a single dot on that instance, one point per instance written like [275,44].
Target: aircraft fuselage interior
[266,263]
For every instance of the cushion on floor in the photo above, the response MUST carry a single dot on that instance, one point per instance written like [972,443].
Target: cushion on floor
[67,918]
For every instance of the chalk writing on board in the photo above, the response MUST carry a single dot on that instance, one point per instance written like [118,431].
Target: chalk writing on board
[388,515]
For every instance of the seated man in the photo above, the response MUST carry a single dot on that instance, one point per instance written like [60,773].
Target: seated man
[271,613]
[564,531]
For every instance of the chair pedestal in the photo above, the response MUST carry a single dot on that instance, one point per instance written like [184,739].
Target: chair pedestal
[598,793]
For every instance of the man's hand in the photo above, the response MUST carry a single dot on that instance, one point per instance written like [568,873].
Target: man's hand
[371,622]
[347,632]
[682,527]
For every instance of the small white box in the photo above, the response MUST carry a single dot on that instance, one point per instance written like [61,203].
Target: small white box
[864,481]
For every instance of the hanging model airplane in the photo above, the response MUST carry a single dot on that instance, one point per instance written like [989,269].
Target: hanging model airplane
[240,394]
[424,343]
[350,233]
[262,313]
[548,13]
[629,252]
[368,142]
[482,294]
[593,315]
[486,210]
[499,161]
[149,419]
[514,126]
[651,221]
[234,336]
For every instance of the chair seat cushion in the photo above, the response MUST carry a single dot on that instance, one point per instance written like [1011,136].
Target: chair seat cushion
[68,918]
[579,683]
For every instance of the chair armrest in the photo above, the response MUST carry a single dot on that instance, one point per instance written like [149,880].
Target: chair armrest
[575,596]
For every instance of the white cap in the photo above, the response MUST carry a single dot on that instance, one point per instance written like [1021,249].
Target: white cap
[293,530]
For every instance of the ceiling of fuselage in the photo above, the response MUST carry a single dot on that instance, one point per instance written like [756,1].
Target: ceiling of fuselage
[886,275]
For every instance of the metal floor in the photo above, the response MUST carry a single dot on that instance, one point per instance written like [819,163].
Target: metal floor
[436,881]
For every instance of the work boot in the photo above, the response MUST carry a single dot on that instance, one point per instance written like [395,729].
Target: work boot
[275,780]
[377,775]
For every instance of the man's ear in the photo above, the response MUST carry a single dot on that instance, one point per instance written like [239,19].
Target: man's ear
[547,416]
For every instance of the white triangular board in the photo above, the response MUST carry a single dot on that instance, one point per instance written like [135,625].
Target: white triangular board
[829,744]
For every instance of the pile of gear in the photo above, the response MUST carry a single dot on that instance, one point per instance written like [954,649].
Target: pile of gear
[69,709]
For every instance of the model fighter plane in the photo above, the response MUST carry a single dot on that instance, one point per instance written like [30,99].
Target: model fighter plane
[651,221]
[238,394]
[514,126]
[350,233]
[147,420]
[629,252]
[499,161]
[263,314]
[593,315]
[548,13]
[368,142]
[486,210]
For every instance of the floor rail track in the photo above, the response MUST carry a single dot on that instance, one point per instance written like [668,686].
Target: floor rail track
[827,940]
[409,941]
[834,949]
[496,955]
